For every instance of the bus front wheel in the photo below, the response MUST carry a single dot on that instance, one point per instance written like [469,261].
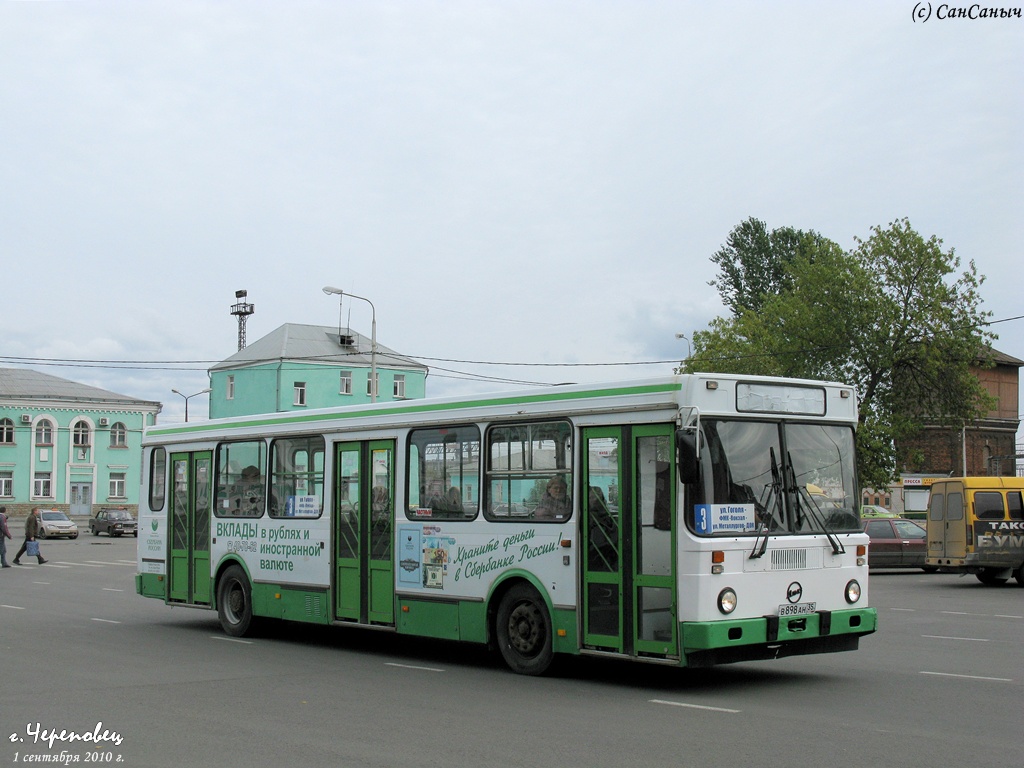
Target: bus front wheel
[234,602]
[523,630]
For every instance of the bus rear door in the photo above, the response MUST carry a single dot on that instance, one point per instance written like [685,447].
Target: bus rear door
[947,523]
[364,513]
[189,569]
[628,592]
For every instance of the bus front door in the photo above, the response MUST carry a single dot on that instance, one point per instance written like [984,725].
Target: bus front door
[628,594]
[364,513]
[189,569]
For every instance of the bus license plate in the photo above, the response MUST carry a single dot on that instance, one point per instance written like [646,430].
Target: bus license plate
[797,609]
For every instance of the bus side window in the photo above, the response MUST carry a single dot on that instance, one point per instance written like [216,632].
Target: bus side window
[988,505]
[1013,501]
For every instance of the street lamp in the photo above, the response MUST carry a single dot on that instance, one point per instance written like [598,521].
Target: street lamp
[689,351]
[189,397]
[330,290]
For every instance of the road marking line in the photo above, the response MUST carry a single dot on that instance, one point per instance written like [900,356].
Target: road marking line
[909,610]
[695,706]
[970,677]
[64,564]
[412,666]
[1007,616]
[963,613]
[106,562]
[968,639]
[231,639]
[15,607]
[107,621]
[111,589]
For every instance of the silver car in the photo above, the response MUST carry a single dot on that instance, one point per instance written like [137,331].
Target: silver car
[55,524]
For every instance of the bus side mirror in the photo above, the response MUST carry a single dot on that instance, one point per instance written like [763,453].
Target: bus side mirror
[688,460]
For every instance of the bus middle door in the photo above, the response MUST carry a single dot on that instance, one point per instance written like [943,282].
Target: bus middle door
[189,568]
[363,517]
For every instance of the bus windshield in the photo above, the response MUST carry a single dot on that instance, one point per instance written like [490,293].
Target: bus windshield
[774,477]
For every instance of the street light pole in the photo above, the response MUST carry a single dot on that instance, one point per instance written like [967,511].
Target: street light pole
[689,350]
[189,397]
[329,290]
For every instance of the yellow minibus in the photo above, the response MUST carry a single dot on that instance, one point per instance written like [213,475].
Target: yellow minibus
[976,525]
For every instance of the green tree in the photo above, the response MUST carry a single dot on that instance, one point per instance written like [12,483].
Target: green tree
[890,317]
[754,262]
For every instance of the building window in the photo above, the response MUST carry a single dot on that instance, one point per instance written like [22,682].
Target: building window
[346,383]
[6,431]
[41,488]
[230,391]
[372,386]
[7,483]
[117,485]
[44,433]
[399,388]
[119,436]
[300,393]
[81,434]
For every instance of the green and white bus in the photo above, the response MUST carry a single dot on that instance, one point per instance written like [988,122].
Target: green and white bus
[665,520]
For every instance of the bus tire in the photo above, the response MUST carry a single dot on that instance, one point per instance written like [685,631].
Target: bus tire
[523,629]
[234,602]
[990,578]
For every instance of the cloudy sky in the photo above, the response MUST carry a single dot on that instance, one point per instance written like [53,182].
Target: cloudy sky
[523,182]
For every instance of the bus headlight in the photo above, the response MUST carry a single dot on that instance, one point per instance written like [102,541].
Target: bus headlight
[853,591]
[727,600]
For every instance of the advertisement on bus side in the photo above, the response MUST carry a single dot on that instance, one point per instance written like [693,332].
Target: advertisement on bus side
[435,557]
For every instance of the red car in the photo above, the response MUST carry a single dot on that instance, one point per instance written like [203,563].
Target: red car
[897,543]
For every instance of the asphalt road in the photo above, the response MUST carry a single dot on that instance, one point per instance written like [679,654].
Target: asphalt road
[942,681]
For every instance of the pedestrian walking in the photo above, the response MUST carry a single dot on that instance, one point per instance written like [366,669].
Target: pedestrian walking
[31,545]
[5,534]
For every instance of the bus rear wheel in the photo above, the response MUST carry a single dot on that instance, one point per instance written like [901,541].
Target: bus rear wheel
[523,630]
[991,577]
[234,602]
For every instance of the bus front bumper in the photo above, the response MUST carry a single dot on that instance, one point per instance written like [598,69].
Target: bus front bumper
[772,637]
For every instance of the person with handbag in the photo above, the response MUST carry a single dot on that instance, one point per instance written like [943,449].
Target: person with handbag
[31,545]
[5,534]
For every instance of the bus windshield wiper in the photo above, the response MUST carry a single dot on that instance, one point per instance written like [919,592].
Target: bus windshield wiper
[764,527]
[800,492]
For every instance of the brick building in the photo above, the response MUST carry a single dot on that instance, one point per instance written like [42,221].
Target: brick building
[986,446]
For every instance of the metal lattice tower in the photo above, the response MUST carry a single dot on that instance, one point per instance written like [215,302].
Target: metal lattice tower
[242,310]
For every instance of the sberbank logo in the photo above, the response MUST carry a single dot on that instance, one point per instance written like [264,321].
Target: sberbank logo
[154,525]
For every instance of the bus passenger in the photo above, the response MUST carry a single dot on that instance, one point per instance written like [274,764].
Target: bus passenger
[247,499]
[554,504]
[453,500]
[380,501]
